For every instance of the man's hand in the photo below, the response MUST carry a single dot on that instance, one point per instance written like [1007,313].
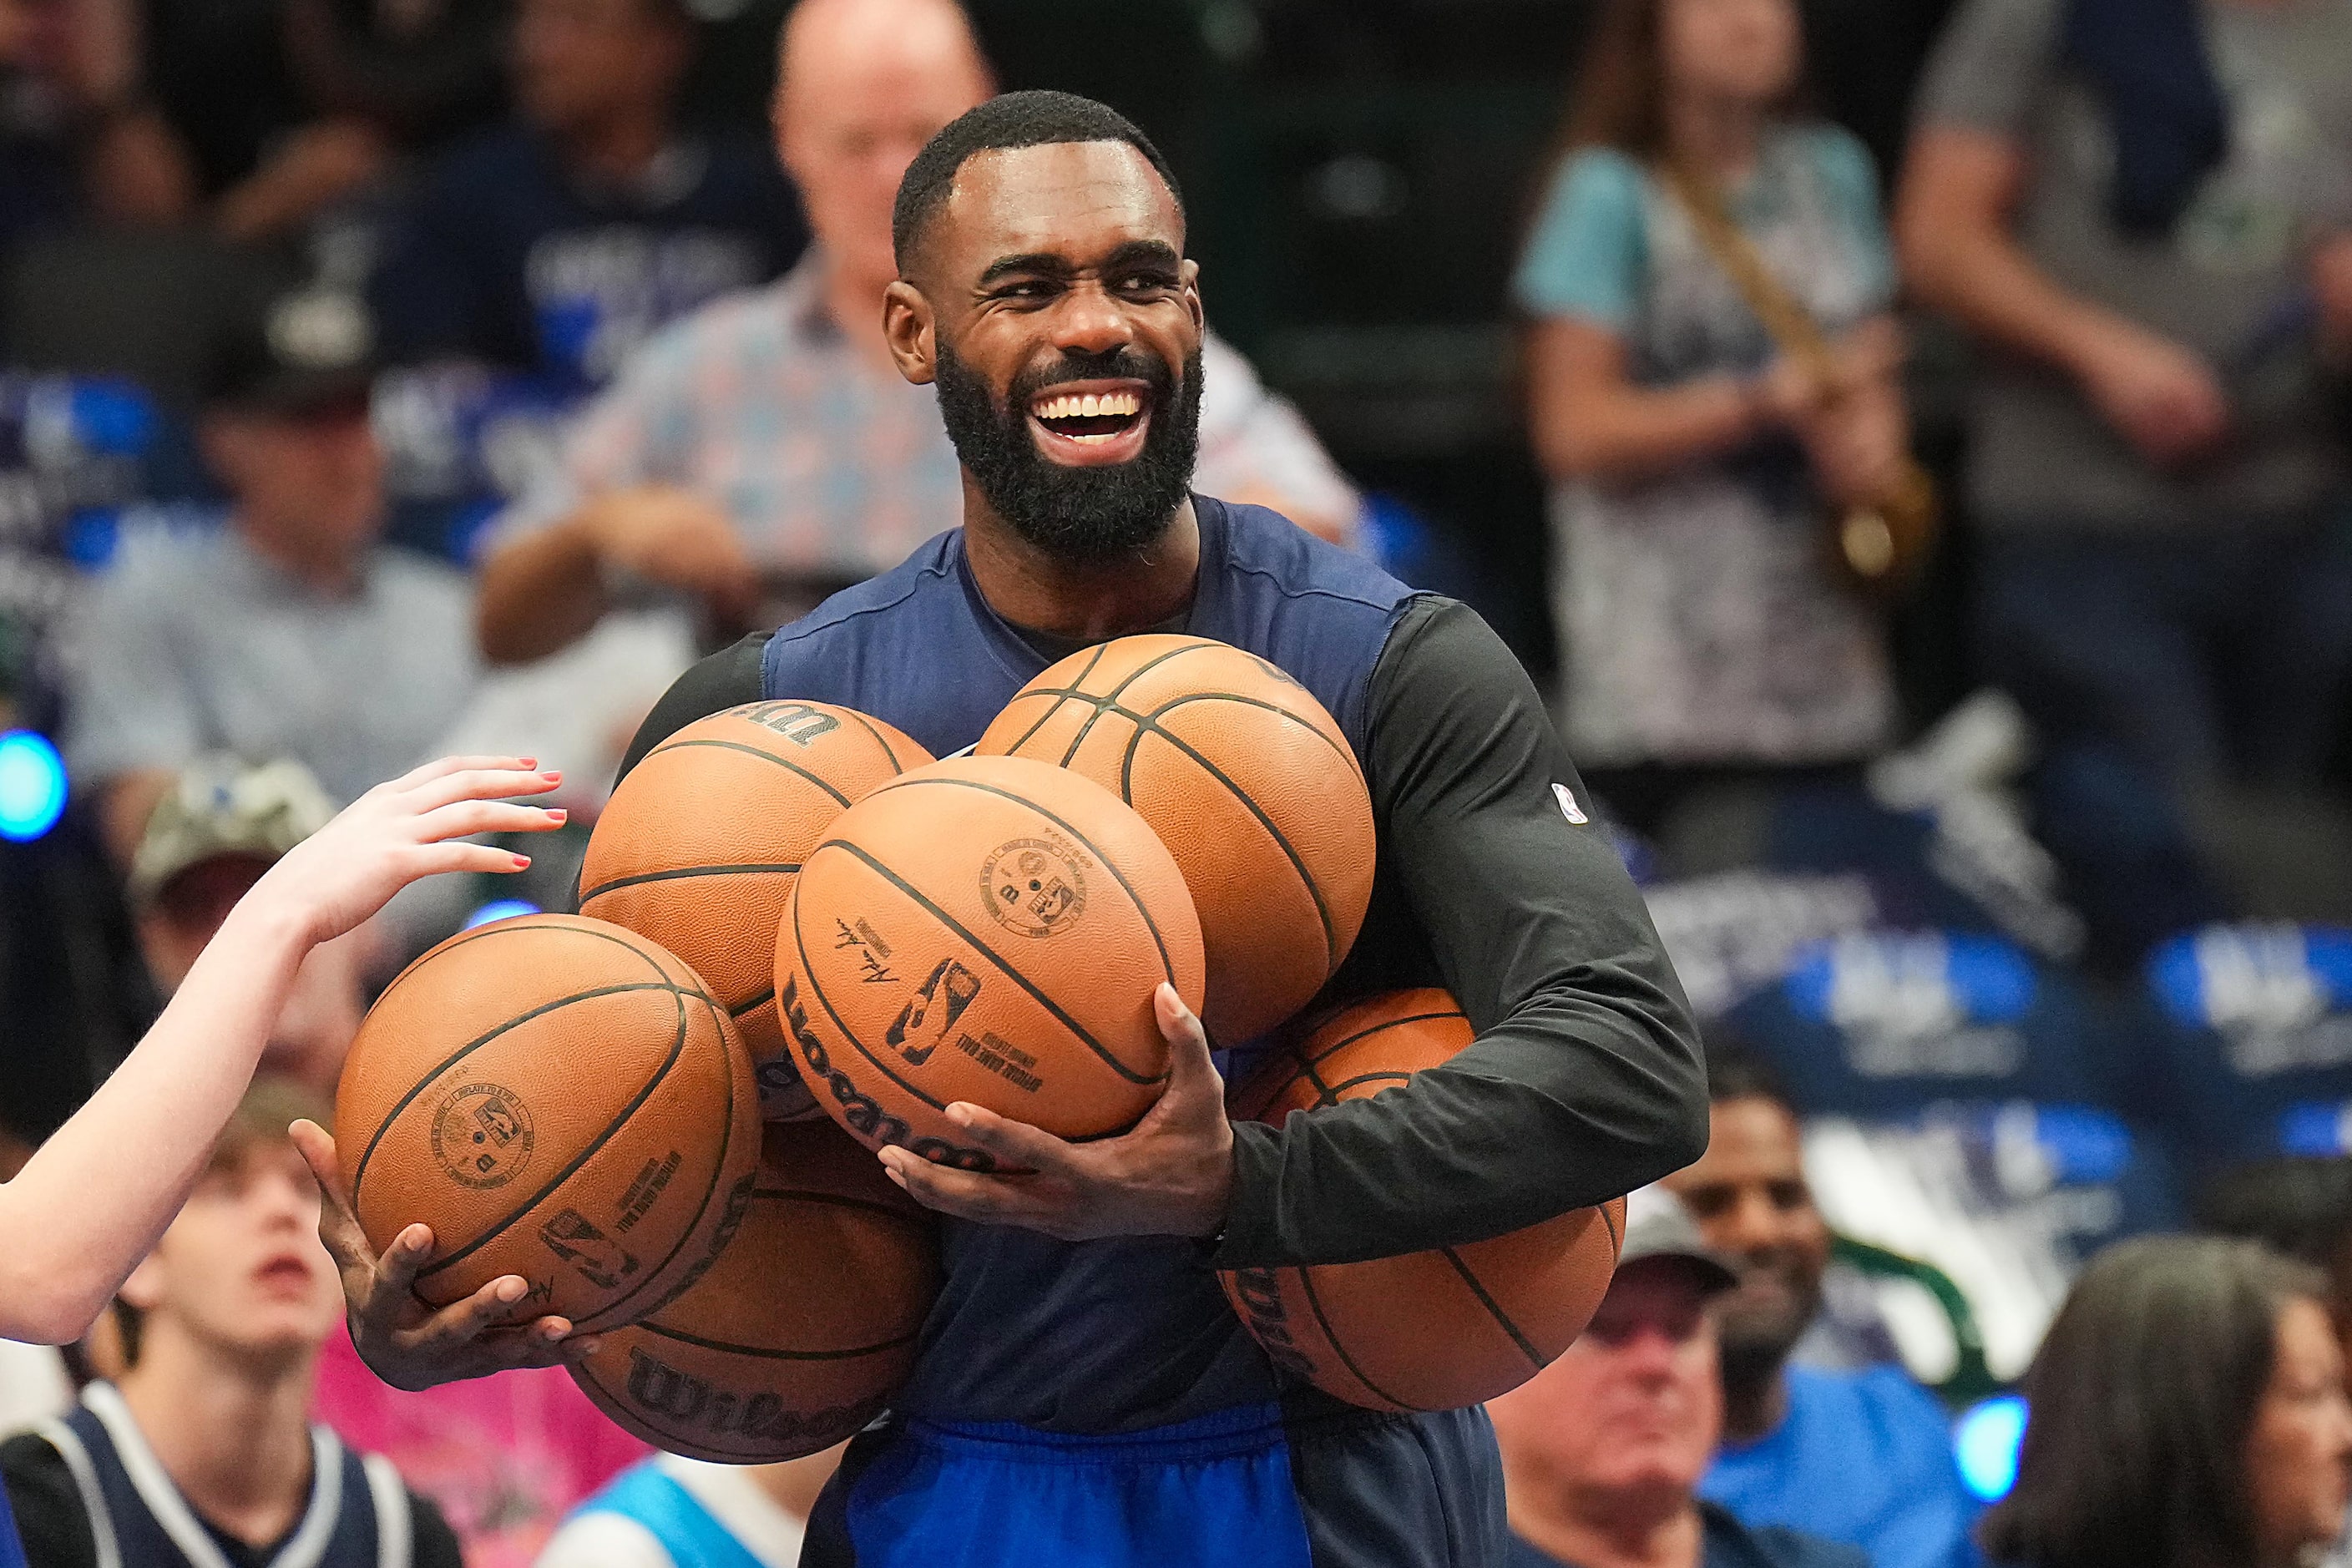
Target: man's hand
[669,535]
[2162,398]
[404,1342]
[1172,1175]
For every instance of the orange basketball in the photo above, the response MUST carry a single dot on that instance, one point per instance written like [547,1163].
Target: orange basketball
[1249,782]
[989,930]
[558,1099]
[801,1332]
[698,847]
[1428,1330]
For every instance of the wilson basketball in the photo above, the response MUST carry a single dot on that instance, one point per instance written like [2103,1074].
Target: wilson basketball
[800,1332]
[558,1099]
[1249,782]
[698,847]
[989,930]
[1427,1331]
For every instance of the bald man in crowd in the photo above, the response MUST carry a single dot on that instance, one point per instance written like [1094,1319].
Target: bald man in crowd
[764,451]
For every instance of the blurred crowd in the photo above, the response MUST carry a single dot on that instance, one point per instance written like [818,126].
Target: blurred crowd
[1944,580]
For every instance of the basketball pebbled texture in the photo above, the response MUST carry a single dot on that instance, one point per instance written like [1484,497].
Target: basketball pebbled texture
[803,1330]
[698,847]
[989,930]
[559,1099]
[1426,1331]
[1250,782]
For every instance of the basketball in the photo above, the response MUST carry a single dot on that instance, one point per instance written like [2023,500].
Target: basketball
[989,930]
[1428,1330]
[800,1332]
[1249,782]
[698,847]
[558,1099]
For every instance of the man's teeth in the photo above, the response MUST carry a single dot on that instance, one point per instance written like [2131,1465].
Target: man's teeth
[1088,405]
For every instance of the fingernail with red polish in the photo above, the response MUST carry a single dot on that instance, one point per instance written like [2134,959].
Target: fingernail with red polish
[521,862]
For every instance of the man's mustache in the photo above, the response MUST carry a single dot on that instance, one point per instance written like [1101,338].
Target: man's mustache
[1125,364]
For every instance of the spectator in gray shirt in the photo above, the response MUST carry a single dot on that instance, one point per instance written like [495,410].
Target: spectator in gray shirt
[288,631]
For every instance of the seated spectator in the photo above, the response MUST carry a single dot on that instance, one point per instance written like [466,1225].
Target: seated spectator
[204,1452]
[255,119]
[2299,1208]
[207,842]
[768,443]
[1692,467]
[1862,1456]
[1602,1449]
[2140,210]
[2187,1408]
[289,632]
[557,243]
[670,1512]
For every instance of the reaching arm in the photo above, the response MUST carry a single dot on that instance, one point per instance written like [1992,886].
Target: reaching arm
[91,1201]
[1585,1081]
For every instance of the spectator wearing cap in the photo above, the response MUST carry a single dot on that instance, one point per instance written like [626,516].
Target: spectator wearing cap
[289,632]
[207,841]
[766,445]
[1861,1456]
[556,243]
[1602,1451]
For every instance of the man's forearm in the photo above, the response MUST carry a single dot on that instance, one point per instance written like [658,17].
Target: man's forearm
[539,594]
[1959,257]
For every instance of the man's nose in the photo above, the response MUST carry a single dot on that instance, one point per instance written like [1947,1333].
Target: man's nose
[1751,1224]
[1091,321]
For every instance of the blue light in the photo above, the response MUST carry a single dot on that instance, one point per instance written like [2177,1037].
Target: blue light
[500,909]
[32,786]
[1985,1440]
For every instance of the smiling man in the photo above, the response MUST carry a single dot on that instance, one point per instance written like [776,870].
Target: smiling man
[1082,1394]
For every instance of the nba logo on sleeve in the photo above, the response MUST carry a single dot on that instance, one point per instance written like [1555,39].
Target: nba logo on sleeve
[1567,806]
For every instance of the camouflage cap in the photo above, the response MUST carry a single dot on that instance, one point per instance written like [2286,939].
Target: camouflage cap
[224,806]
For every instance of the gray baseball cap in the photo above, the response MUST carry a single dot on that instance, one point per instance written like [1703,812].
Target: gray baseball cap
[1658,1226]
[222,805]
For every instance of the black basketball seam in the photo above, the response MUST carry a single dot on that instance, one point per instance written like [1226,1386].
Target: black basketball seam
[1382,1026]
[867,724]
[359,1171]
[1297,864]
[1339,746]
[1110,700]
[682,1337]
[733,869]
[1393,1075]
[710,1191]
[1166,967]
[521,922]
[672,1440]
[1494,1310]
[1331,1338]
[785,762]
[972,941]
[808,973]
[1616,1240]
[1056,705]
[612,1128]
[751,1005]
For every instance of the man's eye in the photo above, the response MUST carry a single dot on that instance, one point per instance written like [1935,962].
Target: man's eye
[1148,283]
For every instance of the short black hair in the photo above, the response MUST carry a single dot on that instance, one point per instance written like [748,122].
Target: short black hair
[1734,1071]
[2141,1402]
[1014,119]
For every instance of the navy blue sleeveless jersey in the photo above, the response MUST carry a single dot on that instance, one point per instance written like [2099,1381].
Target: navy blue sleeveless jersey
[1050,1363]
[94,1495]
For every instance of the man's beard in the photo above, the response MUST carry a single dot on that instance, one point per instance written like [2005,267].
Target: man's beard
[1084,517]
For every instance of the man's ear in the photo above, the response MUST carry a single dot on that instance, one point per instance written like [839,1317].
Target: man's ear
[144,1289]
[1190,275]
[911,333]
